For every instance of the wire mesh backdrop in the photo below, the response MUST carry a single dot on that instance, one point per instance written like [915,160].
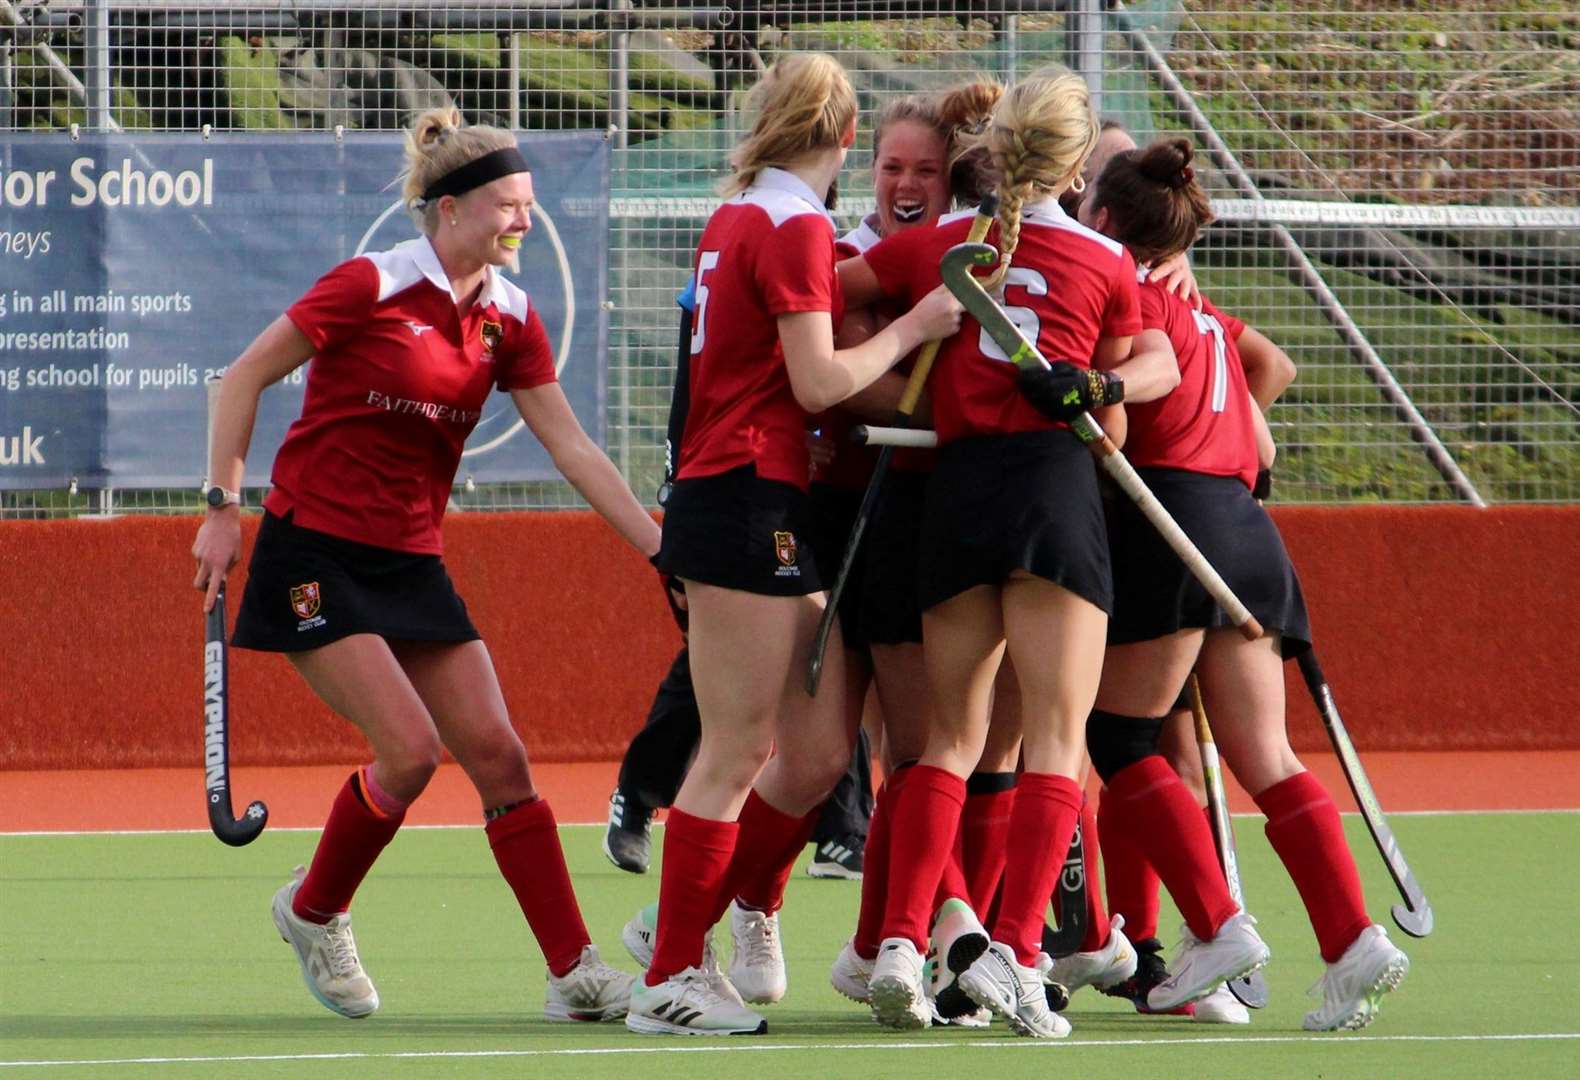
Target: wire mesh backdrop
[1397,184]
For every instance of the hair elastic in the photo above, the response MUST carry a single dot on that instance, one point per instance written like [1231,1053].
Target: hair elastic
[506,161]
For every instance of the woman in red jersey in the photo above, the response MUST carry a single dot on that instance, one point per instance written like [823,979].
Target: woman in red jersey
[735,532]
[1199,449]
[346,577]
[1014,552]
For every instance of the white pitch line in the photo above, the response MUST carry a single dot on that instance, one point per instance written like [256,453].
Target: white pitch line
[735,1047]
[6,833]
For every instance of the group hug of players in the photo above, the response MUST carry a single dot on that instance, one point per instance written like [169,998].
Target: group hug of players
[1018,628]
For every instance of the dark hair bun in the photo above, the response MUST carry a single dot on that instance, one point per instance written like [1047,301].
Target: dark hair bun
[1168,161]
[969,106]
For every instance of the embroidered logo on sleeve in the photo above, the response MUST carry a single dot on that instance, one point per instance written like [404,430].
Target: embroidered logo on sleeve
[785,549]
[305,602]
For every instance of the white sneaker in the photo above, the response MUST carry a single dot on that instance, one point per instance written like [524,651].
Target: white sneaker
[1199,966]
[757,966]
[895,989]
[998,982]
[957,940]
[1352,988]
[327,953]
[851,974]
[1103,968]
[1220,1007]
[977,1018]
[641,932]
[685,1004]
[592,990]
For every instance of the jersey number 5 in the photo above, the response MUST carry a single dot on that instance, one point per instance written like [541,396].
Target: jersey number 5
[1209,324]
[708,262]
[1024,318]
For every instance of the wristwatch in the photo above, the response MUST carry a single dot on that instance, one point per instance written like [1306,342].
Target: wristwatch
[218,497]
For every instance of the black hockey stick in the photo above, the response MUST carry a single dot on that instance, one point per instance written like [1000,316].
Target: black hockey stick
[902,419]
[1250,989]
[216,737]
[1414,916]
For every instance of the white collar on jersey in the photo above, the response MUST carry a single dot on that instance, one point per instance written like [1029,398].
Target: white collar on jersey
[786,181]
[427,260]
[1046,208]
[863,236]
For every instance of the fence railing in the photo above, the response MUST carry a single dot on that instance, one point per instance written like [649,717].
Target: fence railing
[1398,186]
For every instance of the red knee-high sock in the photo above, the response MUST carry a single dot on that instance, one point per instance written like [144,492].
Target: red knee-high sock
[875,863]
[358,828]
[526,844]
[926,820]
[1131,883]
[952,882]
[1158,811]
[696,857]
[1047,807]
[766,848]
[1304,828]
[1097,932]
[984,834]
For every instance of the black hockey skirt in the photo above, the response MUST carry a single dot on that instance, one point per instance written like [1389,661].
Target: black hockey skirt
[834,512]
[890,612]
[1155,595]
[306,589]
[738,531]
[1001,503]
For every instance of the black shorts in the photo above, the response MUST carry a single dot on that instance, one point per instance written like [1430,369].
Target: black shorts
[1001,503]
[306,588]
[737,531]
[834,512]
[1155,595]
[890,611]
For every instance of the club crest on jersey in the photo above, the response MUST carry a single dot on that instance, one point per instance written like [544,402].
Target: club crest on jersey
[785,550]
[493,334]
[305,600]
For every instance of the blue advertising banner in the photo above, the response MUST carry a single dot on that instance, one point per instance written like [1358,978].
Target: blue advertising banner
[132,266]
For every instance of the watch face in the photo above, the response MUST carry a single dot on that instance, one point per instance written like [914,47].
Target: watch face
[216,497]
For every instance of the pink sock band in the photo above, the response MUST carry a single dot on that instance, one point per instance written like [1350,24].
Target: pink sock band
[382,801]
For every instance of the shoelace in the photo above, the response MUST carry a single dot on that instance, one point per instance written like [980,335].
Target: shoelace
[341,949]
[760,939]
[696,991]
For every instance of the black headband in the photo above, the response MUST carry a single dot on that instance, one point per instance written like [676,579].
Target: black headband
[476,173]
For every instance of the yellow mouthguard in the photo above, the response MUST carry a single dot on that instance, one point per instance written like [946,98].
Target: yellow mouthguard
[510,241]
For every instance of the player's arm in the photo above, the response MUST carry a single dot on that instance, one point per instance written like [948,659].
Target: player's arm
[587,467]
[1268,369]
[821,377]
[1148,367]
[858,282]
[1266,450]
[273,354]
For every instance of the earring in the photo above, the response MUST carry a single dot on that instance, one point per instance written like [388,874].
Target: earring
[1078,185]
[454,222]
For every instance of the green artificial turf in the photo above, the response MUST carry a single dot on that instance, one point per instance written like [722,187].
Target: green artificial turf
[120,947]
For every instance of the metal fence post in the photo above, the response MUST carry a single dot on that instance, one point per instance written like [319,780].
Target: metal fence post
[96,62]
[1083,46]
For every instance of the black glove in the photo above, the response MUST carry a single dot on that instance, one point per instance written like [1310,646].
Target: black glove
[1263,486]
[1064,391]
[673,588]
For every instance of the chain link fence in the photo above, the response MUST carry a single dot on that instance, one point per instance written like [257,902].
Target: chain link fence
[1397,184]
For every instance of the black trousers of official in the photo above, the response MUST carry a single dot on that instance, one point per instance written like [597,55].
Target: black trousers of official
[656,761]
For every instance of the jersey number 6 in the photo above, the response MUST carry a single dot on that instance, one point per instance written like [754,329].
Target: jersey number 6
[1024,318]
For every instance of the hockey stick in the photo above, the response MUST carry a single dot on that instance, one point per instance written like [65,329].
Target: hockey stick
[1071,899]
[216,707]
[957,275]
[1250,989]
[216,737]
[871,435]
[902,419]
[1414,916]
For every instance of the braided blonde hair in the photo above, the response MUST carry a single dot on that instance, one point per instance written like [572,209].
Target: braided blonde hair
[437,145]
[804,103]
[1043,131]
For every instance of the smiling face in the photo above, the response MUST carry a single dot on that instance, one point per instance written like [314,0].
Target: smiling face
[491,221]
[911,182]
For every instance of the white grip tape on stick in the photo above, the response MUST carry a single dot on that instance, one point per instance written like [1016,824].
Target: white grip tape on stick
[895,436]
